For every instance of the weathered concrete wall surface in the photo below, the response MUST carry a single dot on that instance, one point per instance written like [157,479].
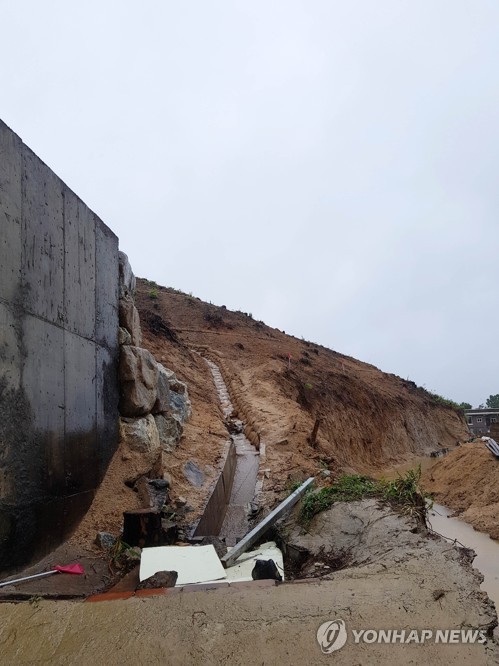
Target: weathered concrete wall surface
[58,354]
[214,513]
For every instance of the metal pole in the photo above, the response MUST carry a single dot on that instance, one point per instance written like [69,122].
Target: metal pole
[21,580]
[265,524]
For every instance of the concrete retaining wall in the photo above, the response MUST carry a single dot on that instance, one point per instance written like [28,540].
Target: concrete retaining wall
[58,354]
[218,502]
[214,512]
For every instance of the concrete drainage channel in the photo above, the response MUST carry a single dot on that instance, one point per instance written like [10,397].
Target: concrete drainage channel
[230,505]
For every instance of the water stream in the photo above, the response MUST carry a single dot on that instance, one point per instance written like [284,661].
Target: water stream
[236,523]
[487,549]
[441,520]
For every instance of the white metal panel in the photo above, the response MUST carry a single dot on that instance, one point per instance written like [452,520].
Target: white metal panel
[194,564]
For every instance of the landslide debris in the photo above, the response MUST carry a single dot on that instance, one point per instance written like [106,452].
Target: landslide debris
[310,406]
[467,480]
[368,540]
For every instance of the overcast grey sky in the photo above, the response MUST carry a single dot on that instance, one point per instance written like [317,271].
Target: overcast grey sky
[330,167]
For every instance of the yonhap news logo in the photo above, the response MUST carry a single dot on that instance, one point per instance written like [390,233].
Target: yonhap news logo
[333,635]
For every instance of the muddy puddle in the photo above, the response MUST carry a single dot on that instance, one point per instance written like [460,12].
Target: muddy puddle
[236,521]
[486,549]
[441,520]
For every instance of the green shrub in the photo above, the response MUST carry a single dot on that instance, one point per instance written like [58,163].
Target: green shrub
[446,402]
[404,492]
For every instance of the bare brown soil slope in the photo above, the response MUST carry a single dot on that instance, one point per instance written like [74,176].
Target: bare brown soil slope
[467,480]
[368,419]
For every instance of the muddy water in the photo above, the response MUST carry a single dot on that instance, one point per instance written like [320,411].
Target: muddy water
[236,523]
[486,549]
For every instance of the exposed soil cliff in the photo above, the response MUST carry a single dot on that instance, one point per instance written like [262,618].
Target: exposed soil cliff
[364,419]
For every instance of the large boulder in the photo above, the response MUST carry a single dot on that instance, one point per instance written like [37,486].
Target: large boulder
[124,337]
[153,493]
[138,374]
[162,404]
[129,319]
[170,431]
[193,474]
[179,399]
[140,435]
[127,281]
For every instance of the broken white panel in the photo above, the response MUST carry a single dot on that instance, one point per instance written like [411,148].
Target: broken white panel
[240,572]
[492,445]
[194,564]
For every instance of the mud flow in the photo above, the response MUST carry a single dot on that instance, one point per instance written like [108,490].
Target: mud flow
[486,549]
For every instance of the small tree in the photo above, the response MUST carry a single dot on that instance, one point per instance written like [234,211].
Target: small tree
[465,405]
[493,401]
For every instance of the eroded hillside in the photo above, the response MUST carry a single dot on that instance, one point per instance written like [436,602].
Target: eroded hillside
[467,480]
[364,419]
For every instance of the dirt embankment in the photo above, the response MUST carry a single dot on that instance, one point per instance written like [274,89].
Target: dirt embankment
[366,419]
[467,480]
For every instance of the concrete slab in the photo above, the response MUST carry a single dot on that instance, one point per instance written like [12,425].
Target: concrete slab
[80,414]
[240,625]
[107,283]
[43,380]
[10,356]
[55,444]
[79,377]
[10,213]
[43,240]
[107,405]
[79,266]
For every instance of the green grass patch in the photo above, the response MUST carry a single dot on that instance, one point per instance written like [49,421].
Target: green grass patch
[404,493]
[446,402]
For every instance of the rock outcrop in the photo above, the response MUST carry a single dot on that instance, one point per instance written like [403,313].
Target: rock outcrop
[154,404]
[170,430]
[140,434]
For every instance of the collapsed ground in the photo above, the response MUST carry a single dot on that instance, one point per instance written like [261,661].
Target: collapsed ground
[313,412]
[368,565]
[316,410]
[313,409]
[467,480]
